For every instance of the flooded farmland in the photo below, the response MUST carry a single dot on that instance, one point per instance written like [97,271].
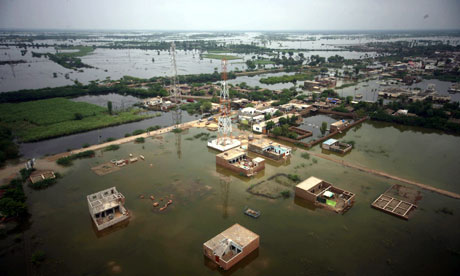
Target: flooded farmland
[296,238]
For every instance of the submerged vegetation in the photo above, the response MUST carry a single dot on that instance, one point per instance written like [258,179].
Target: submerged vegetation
[69,60]
[216,56]
[68,160]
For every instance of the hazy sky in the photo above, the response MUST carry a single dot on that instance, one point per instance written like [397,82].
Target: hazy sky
[231,15]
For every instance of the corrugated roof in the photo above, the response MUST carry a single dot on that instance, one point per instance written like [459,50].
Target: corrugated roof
[330,142]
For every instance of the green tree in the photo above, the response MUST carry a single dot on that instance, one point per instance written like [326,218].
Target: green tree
[270,125]
[277,131]
[323,128]
[205,107]
[109,107]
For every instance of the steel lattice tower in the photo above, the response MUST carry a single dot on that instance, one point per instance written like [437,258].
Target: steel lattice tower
[176,97]
[225,123]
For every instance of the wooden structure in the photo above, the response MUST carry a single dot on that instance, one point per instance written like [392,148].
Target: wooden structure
[324,194]
[231,246]
[393,206]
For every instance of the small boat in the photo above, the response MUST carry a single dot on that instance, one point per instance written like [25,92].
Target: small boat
[132,160]
[251,212]
[142,157]
[358,96]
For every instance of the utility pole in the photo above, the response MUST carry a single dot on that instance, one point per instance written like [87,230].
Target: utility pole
[175,95]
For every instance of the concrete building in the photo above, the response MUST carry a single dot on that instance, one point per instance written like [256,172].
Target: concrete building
[261,127]
[311,85]
[237,160]
[231,246]
[338,126]
[336,146]
[269,149]
[107,208]
[322,193]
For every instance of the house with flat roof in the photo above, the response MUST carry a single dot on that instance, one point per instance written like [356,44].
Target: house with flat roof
[231,246]
[338,126]
[324,194]
[336,146]
[269,149]
[262,127]
[107,208]
[237,160]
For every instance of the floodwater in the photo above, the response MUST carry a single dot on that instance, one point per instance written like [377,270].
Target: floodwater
[295,237]
[116,63]
[74,141]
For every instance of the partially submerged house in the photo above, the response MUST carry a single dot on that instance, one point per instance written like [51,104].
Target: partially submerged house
[339,125]
[237,160]
[38,176]
[107,208]
[231,246]
[336,146]
[269,149]
[324,194]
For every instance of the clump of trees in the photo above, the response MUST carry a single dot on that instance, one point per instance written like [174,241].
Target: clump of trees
[68,160]
[12,203]
[8,149]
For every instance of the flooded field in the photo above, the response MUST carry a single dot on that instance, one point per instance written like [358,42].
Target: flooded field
[295,237]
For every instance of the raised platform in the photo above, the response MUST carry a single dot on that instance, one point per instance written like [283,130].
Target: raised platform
[224,145]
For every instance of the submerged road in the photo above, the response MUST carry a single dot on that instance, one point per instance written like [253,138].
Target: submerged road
[132,138]
[380,173]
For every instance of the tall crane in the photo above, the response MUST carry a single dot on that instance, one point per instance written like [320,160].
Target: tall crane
[176,97]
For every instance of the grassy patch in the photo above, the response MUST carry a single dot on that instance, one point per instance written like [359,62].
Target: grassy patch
[42,119]
[67,161]
[288,78]
[112,148]
[216,56]
[139,140]
[263,61]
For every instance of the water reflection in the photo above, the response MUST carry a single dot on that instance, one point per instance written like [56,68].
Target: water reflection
[240,265]
[112,229]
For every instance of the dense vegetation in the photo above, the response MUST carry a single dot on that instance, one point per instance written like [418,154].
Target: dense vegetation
[38,120]
[8,149]
[288,78]
[427,116]
[216,56]
[68,60]
[12,203]
[68,160]
[155,88]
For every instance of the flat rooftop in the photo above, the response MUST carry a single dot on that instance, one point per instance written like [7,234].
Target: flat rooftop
[263,143]
[231,154]
[309,183]
[237,233]
[104,200]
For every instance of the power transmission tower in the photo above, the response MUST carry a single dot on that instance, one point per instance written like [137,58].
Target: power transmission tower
[176,97]
[225,123]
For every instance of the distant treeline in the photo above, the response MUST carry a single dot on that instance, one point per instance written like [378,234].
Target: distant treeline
[155,88]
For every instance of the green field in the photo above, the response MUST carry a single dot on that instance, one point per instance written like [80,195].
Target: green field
[82,51]
[215,56]
[38,120]
[263,61]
